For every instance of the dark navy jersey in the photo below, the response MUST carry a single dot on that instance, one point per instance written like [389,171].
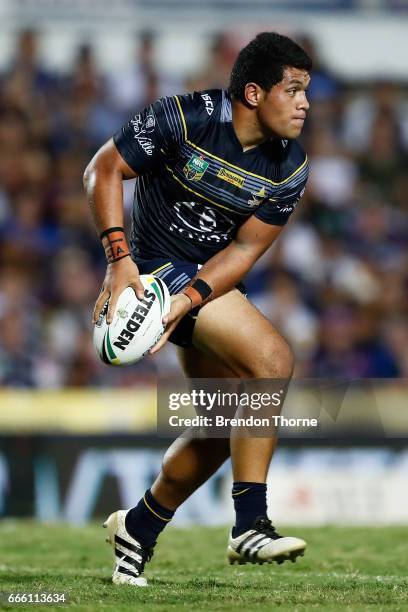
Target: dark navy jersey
[196,186]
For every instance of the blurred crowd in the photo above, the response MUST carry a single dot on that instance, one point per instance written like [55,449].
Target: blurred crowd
[336,284]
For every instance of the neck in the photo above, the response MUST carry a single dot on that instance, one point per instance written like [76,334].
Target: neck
[246,125]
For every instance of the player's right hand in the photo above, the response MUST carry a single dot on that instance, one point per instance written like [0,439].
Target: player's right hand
[119,275]
[180,306]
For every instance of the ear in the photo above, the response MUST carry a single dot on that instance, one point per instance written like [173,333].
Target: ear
[253,94]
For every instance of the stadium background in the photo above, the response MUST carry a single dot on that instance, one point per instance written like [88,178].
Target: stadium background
[78,439]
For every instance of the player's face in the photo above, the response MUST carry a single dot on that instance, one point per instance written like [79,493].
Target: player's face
[282,110]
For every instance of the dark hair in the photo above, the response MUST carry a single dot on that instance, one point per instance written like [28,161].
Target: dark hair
[263,61]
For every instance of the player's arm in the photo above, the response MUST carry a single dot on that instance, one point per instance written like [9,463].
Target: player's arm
[139,147]
[228,267]
[223,271]
[103,182]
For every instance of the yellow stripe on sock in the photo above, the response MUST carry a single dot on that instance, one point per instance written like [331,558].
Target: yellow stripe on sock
[155,513]
[240,492]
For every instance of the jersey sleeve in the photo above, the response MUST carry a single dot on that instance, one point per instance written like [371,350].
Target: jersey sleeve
[150,137]
[277,210]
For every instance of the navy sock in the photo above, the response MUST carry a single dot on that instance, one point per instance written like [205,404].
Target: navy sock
[249,502]
[147,520]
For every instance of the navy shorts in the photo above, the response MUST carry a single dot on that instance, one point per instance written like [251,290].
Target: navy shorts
[177,275]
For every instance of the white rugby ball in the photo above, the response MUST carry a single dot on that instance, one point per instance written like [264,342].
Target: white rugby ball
[136,325]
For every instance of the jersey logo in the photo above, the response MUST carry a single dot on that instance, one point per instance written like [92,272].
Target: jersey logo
[231,177]
[140,129]
[289,208]
[195,168]
[257,197]
[201,223]
[209,106]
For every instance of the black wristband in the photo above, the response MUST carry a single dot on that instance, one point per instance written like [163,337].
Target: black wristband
[198,293]
[110,230]
[203,288]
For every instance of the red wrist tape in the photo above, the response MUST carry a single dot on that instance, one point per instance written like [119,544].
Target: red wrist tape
[114,243]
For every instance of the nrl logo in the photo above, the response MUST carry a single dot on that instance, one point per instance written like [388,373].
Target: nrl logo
[195,168]
[122,313]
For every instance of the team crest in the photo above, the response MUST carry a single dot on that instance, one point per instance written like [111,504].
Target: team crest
[257,197]
[195,168]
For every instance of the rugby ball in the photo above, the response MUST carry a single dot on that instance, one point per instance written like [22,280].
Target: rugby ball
[136,324]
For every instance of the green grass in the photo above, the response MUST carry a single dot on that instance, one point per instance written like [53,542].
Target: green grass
[344,569]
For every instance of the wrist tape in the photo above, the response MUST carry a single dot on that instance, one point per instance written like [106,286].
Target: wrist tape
[199,293]
[114,243]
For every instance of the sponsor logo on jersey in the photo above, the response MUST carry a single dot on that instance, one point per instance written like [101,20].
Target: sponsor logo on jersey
[231,177]
[257,197]
[209,106]
[289,208]
[201,223]
[195,168]
[150,124]
[140,129]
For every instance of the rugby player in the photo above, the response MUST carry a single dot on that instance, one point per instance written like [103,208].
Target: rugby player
[219,173]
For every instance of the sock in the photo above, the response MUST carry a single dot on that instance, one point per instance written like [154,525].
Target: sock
[147,520]
[249,502]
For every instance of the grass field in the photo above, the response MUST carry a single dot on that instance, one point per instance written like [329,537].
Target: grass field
[343,569]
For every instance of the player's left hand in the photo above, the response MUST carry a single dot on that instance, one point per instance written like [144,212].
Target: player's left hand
[180,306]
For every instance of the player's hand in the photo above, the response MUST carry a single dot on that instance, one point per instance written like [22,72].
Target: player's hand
[119,275]
[180,306]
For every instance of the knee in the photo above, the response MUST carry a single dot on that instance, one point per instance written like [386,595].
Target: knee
[273,359]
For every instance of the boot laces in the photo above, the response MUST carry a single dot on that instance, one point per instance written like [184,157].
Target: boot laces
[264,525]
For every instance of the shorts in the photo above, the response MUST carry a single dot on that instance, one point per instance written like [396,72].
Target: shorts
[177,275]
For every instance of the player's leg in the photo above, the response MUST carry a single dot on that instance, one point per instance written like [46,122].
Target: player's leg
[187,464]
[231,330]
